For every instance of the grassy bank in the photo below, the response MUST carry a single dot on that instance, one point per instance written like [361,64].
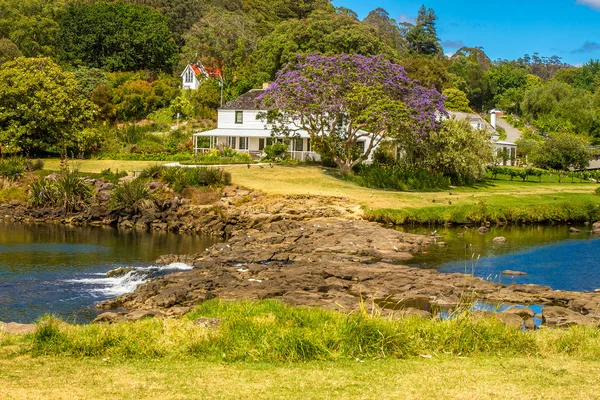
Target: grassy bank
[513,209]
[269,350]
[269,331]
[492,200]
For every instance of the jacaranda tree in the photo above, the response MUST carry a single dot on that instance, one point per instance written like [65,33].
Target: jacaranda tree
[341,99]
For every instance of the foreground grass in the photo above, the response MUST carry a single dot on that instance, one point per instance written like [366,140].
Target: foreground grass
[437,378]
[267,350]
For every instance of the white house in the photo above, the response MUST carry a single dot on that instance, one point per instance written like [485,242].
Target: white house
[238,128]
[196,73]
[499,146]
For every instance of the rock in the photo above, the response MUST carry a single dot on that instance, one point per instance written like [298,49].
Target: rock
[559,317]
[523,312]
[141,314]
[499,239]
[483,229]
[511,319]
[108,317]
[596,227]
[513,273]
[13,328]
[52,177]
[119,272]
[530,324]
[208,322]
[574,230]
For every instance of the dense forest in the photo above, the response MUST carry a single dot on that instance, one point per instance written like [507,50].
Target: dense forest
[122,60]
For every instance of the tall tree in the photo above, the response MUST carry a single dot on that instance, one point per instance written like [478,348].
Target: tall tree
[116,37]
[40,106]
[387,29]
[422,36]
[338,99]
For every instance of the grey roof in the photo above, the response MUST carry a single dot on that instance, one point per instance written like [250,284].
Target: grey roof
[247,101]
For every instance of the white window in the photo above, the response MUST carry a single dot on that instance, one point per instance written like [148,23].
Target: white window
[231,142]
[189,76]
[239,117]
[361,147]
[298,144]
[243,143]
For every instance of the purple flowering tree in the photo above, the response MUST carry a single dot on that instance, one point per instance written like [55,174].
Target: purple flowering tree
[342,99]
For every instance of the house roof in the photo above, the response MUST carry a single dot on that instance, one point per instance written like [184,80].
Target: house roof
[471,117]
[201,69]
[247,101]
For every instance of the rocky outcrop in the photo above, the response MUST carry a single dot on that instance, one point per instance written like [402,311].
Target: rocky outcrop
[334,263]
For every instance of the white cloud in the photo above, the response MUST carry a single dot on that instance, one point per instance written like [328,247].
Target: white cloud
[595,4]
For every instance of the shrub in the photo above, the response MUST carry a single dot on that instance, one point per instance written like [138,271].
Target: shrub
[112,176]
[598,191]
[68,191]
[396,177]
[13,168]
[131,196]
[276,152]
[180,178]
[153,172]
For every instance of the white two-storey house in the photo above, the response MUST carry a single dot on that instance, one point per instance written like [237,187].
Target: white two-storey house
[239,128]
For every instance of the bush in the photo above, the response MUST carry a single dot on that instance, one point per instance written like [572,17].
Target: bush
[131,196]
[181,178]
[68,191]
[276,152]
[597,191]
[396,177]
[112,177]
[13,168]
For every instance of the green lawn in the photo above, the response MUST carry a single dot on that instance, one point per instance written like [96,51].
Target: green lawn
[303,180]
[436,378]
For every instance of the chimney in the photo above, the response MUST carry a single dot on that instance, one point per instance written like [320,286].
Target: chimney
[266,85]
[493,118]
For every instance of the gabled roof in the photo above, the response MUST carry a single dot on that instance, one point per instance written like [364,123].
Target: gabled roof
[247,101]
[201,69]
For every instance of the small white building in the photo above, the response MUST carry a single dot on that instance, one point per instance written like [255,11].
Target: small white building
[239,128]
[196,73]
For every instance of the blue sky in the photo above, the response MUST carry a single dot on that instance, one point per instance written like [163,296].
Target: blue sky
[506,29]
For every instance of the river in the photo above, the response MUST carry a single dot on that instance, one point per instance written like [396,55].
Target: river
[54,269]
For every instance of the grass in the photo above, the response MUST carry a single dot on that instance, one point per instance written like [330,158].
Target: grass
[268,350]
[303,180]
[449,378]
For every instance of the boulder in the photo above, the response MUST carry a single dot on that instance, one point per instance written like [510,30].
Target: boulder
[574,230]
[13,328]
[511,319]
[483,229]
[142,314]
[559,317]
[113,273]
[513,273]
[108,318]
[499,239]
[523,312]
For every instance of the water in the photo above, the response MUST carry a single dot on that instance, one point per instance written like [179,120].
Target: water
[52,269]
[550,255]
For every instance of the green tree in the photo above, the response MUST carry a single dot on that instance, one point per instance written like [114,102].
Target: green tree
[422,36]
[456,100]
[387,29]
[457,150]
[31,25]
[116,37]
[563,151]
[430,72]
[40,106]
[558,106]
[322,32]
[468,69]
[8,50]
[225,36]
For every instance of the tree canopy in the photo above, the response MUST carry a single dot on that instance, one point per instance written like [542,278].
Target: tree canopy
[40,106]
[343,98]
[116,37]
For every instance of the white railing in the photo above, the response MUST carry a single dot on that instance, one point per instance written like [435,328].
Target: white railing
[305,156]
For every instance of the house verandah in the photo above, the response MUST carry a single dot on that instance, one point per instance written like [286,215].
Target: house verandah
[252,142]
